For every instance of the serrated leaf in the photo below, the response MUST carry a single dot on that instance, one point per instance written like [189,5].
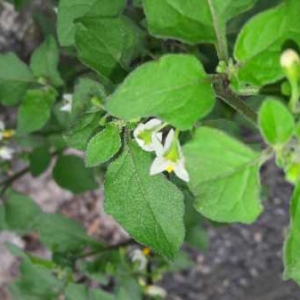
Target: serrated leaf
[103,146]
[107,45]
[256,55]
[291,254]
[19,213]
[175,89]
[35,110]
[193,21]
[15,78]
[70,10]
[70,173]
[224,177]
[44,62]
[39,160]
[149,207]
[276,122]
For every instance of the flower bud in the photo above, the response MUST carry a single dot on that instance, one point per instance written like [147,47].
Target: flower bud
[289,58]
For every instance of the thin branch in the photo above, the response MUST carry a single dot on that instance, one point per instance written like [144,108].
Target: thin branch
[6,183]
[106,249]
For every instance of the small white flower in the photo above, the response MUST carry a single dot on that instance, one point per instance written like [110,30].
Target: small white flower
[154,291]
[171,159]
[6,153]
[147,137]
[5,133]
[138,256]
[68,101]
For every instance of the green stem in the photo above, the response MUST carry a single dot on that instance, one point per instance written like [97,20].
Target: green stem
[225,94]
[221,45]
[295,96]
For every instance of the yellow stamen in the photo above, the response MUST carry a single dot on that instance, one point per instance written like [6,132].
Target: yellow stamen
[146,251]
[170,169]
[8,133]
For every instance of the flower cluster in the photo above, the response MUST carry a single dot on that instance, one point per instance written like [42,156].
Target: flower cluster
[169,156]
[6,153]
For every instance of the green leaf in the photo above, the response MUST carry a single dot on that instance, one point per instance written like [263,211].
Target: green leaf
[254,55]
[276,123]
[100,295]
[70,173]
[39,160]
[35,110]
[36,282]
[85,90]
[149,207]
[79,134]
[76,292]
[70,10]
[224,177]
[101,46]
[44,62]
[15,78]
[175,89]
[20,213]
[193,21]
[103,146]
[291,252]
[61,234]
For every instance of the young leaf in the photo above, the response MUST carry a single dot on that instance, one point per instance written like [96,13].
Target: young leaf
[61,234]
[35,110]
[101,46]
[14,79]
[224,177]
[39,160]
[103,146]
[291,252]
[276,122]
[175,89]
[44,62]
[70,173]
[254,55]
[70,10]
[150,208]
[194,21]
[85,90]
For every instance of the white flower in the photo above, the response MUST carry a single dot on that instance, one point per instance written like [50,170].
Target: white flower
[6,153]
[138,256]
[147,137]
[68,101]
[154,291]
[171,159]
[288,58]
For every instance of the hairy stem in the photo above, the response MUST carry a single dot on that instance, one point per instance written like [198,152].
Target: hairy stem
[225,94]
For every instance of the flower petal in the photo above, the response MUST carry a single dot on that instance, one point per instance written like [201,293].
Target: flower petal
[158,166]
[156,144]
[151,124]
[181,171]
[169,140]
